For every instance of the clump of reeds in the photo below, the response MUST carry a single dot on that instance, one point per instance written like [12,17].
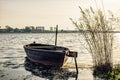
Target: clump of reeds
[96,29]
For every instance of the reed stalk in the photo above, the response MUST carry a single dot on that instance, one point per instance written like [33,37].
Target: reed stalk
[95,27]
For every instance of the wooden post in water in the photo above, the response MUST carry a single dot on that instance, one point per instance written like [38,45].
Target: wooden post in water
[74,54]
[76,67]
[56,35]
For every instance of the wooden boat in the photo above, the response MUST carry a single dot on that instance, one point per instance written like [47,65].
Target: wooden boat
[50,55]
[46,54]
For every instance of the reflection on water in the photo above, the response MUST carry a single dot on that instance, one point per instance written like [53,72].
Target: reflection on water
[48,72]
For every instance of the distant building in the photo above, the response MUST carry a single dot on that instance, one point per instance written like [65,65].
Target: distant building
[54,28]
[40,28]
[51,28]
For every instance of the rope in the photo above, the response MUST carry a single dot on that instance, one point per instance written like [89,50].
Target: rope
[49,40]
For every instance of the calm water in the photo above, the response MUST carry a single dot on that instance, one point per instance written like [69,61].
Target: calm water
[11,46]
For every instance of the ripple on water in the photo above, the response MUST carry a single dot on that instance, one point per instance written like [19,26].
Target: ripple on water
[11,45]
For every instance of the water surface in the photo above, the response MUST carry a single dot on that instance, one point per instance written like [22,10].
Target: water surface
[12,54]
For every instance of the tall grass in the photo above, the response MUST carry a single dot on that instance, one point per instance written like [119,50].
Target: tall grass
[96,26]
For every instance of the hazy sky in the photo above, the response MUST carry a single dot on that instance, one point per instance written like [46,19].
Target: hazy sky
[21,13]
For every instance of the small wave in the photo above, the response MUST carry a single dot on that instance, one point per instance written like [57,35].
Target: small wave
[10,57]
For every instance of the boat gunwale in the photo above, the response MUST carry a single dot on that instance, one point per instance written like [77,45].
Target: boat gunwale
[40,49]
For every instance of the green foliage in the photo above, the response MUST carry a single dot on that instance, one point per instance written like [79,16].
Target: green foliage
[27,29]
[116,72]
[9,29]
[102,73]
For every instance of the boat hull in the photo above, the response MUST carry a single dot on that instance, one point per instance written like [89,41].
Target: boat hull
[48,55]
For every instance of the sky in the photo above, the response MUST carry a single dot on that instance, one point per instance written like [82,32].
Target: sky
[48,13]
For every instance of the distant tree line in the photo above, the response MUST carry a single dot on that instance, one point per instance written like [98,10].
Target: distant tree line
[9,29]
[30,29]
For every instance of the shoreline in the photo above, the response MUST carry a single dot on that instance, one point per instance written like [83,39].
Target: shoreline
[22,74]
